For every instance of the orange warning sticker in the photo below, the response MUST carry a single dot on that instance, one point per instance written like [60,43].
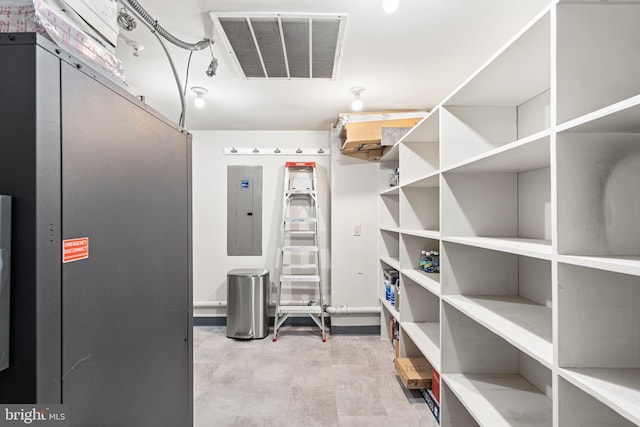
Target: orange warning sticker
[75,249]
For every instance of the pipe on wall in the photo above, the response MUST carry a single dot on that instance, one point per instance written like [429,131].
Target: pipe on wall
[343,310]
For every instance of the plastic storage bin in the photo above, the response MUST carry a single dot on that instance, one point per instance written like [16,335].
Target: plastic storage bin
[247,305]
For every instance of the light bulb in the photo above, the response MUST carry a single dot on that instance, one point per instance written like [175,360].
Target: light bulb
[356,105]
[390,6]
[200,93]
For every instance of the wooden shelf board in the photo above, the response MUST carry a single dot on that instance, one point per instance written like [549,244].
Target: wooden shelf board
[429,281]
[391,191]
[431,180]
[501,400]
[621,117]
[523,155]
[519,321]
[391,262]
[426,336]
[536,248]
[618,264]
[391,309]
[429,234]
[619,388]
[389,229]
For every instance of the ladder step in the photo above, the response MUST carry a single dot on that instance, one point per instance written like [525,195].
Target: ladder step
[299,278]
[300,249]
[300,266]
[300,219]
[301,232]
[302,309]
[301,192]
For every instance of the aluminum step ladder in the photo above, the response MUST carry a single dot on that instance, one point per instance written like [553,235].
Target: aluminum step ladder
[299,263]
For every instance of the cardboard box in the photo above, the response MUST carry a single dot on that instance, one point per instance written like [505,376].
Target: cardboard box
[415,373]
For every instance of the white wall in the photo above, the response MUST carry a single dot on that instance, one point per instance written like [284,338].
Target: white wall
[210,260]
[348,195]
[354,272]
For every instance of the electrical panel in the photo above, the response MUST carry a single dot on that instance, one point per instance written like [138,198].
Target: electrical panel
[5,278]
[244,210]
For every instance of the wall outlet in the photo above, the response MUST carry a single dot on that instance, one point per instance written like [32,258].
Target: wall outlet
[357,229]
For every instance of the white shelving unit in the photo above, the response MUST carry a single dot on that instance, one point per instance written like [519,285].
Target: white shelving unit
[526,179]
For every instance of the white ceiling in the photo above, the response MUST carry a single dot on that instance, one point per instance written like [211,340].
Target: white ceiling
[410,59]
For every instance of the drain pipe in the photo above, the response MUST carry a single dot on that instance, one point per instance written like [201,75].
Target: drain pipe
[343,310]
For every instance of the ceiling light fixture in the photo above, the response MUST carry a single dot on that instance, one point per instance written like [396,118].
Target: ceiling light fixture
[200,93]
[356,104]
[390,6]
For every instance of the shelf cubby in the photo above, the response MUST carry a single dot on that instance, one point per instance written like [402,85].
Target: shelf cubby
[428,281]
[581,409]
[506,100]
[420,205]
[598,197]
[389,210]
[499,210]
[420,149]
[387,313]
[387,165]
[411,247]
[455,414]
[597,61]
[497,384]
[389,247]
[510,295]
[599,337]
[420,319]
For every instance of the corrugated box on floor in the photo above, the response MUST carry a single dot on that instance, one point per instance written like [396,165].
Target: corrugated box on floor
[415,373]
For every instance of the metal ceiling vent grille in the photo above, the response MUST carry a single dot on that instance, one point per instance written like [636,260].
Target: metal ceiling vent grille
[282,46]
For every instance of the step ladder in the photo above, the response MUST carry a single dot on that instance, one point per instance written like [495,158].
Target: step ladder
[299,263]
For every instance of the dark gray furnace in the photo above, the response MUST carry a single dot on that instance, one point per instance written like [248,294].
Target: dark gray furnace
[109,332]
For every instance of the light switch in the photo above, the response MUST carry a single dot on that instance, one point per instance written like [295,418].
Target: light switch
[357,229]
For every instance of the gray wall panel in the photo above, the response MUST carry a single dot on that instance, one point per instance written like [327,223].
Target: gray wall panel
[17,179]
[126,313]
[48,223]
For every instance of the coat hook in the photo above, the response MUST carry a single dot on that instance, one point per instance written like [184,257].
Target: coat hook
[277,150]
[299,151]
[233,150]
[255,150]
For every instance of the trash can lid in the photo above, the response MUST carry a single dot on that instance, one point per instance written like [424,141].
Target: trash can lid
[252,272]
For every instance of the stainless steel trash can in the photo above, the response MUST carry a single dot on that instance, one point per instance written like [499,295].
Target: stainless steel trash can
[247,305]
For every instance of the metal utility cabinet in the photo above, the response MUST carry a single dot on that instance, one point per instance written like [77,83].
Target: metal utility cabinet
[101,281]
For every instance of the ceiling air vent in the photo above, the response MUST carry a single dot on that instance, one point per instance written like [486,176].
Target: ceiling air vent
[282,46]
